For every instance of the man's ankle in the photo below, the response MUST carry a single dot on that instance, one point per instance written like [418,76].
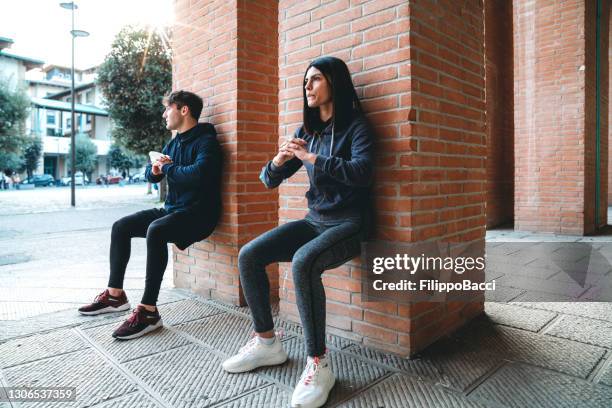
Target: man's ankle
[148,308]
[115,292]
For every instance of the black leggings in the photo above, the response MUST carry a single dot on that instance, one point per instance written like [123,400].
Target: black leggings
[312,247]
[159,227]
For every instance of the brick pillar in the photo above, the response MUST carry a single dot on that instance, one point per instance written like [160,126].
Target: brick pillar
[554,99]
[420,76]
[227,53]
[500,112]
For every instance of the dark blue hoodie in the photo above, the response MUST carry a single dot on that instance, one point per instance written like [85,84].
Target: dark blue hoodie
[194,176]
[340,179]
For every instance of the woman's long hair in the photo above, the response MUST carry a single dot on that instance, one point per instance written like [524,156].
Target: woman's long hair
[344,98]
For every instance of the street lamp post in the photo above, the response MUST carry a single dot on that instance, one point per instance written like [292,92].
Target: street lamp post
[75,33]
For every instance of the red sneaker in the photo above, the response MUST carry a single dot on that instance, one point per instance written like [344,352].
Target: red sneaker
[105,303]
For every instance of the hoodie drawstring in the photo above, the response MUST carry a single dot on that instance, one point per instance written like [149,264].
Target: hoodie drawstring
[331,148]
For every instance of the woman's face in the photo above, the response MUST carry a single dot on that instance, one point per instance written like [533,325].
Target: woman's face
[318,90]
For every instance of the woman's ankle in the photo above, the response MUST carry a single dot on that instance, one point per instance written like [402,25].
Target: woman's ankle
[266,335]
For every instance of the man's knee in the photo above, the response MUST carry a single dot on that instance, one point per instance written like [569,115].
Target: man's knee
[155,232]
[120,229]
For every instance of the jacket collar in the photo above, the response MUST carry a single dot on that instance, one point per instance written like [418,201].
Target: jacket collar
[188,135]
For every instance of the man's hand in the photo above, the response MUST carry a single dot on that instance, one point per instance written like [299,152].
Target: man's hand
[156,168]
[297,147]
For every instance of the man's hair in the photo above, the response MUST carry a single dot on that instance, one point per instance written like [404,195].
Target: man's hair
[186,98]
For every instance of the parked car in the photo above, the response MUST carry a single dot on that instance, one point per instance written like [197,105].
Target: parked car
[40,180]
[114,179]
[137,178]
[79,179]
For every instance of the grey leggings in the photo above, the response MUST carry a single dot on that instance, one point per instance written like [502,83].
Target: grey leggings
[312,247]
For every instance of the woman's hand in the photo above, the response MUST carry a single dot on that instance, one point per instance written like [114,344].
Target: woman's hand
[298,148]
[283,155]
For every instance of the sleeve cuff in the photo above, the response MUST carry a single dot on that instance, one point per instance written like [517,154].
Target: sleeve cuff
[165,168]
[274,168]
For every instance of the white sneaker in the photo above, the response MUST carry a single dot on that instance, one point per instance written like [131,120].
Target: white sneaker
[256,354]
[314,386]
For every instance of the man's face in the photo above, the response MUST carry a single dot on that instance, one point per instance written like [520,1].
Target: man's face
[174,116]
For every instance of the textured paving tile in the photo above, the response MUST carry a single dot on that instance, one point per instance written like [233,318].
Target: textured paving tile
[402,391]
[24,350]
[296,328]
[135,400]
[446,363]
[519,385]
[594,310]
[590,331]
[560,289]
[606,376]
[502,294]
[225,332]
[94,379]
[186,310]
[191,376]
[49,321]
[545,351]
[156,342]
[519,317]
[268,397]
[351,373]
[23,310]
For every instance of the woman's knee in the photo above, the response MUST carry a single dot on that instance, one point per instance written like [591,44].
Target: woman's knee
[250,254]
[302,264]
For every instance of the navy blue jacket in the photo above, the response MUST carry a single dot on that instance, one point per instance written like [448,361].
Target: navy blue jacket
[194,176]
[339,180]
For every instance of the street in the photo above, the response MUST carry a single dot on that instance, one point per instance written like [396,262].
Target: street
[38,227]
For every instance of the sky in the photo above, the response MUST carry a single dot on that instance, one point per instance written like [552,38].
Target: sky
[40,29]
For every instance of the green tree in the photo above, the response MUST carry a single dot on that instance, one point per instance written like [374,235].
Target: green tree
[86,155]
[117,158]
[14,108]
[31,154]
[134,78]
[123,159]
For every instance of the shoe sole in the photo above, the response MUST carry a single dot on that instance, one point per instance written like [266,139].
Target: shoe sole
[281,359]
[317,403]
[146,330]
[108,309]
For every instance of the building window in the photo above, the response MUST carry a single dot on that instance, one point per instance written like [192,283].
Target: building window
[88,119]
[69,123]
[89,96]
[50,118]
[50,131]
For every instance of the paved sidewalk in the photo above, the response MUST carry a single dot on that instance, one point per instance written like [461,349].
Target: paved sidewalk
[522,354]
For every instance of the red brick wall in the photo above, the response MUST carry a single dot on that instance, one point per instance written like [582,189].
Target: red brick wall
[500,112]
[224,53]
[419,73]
[554,115]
